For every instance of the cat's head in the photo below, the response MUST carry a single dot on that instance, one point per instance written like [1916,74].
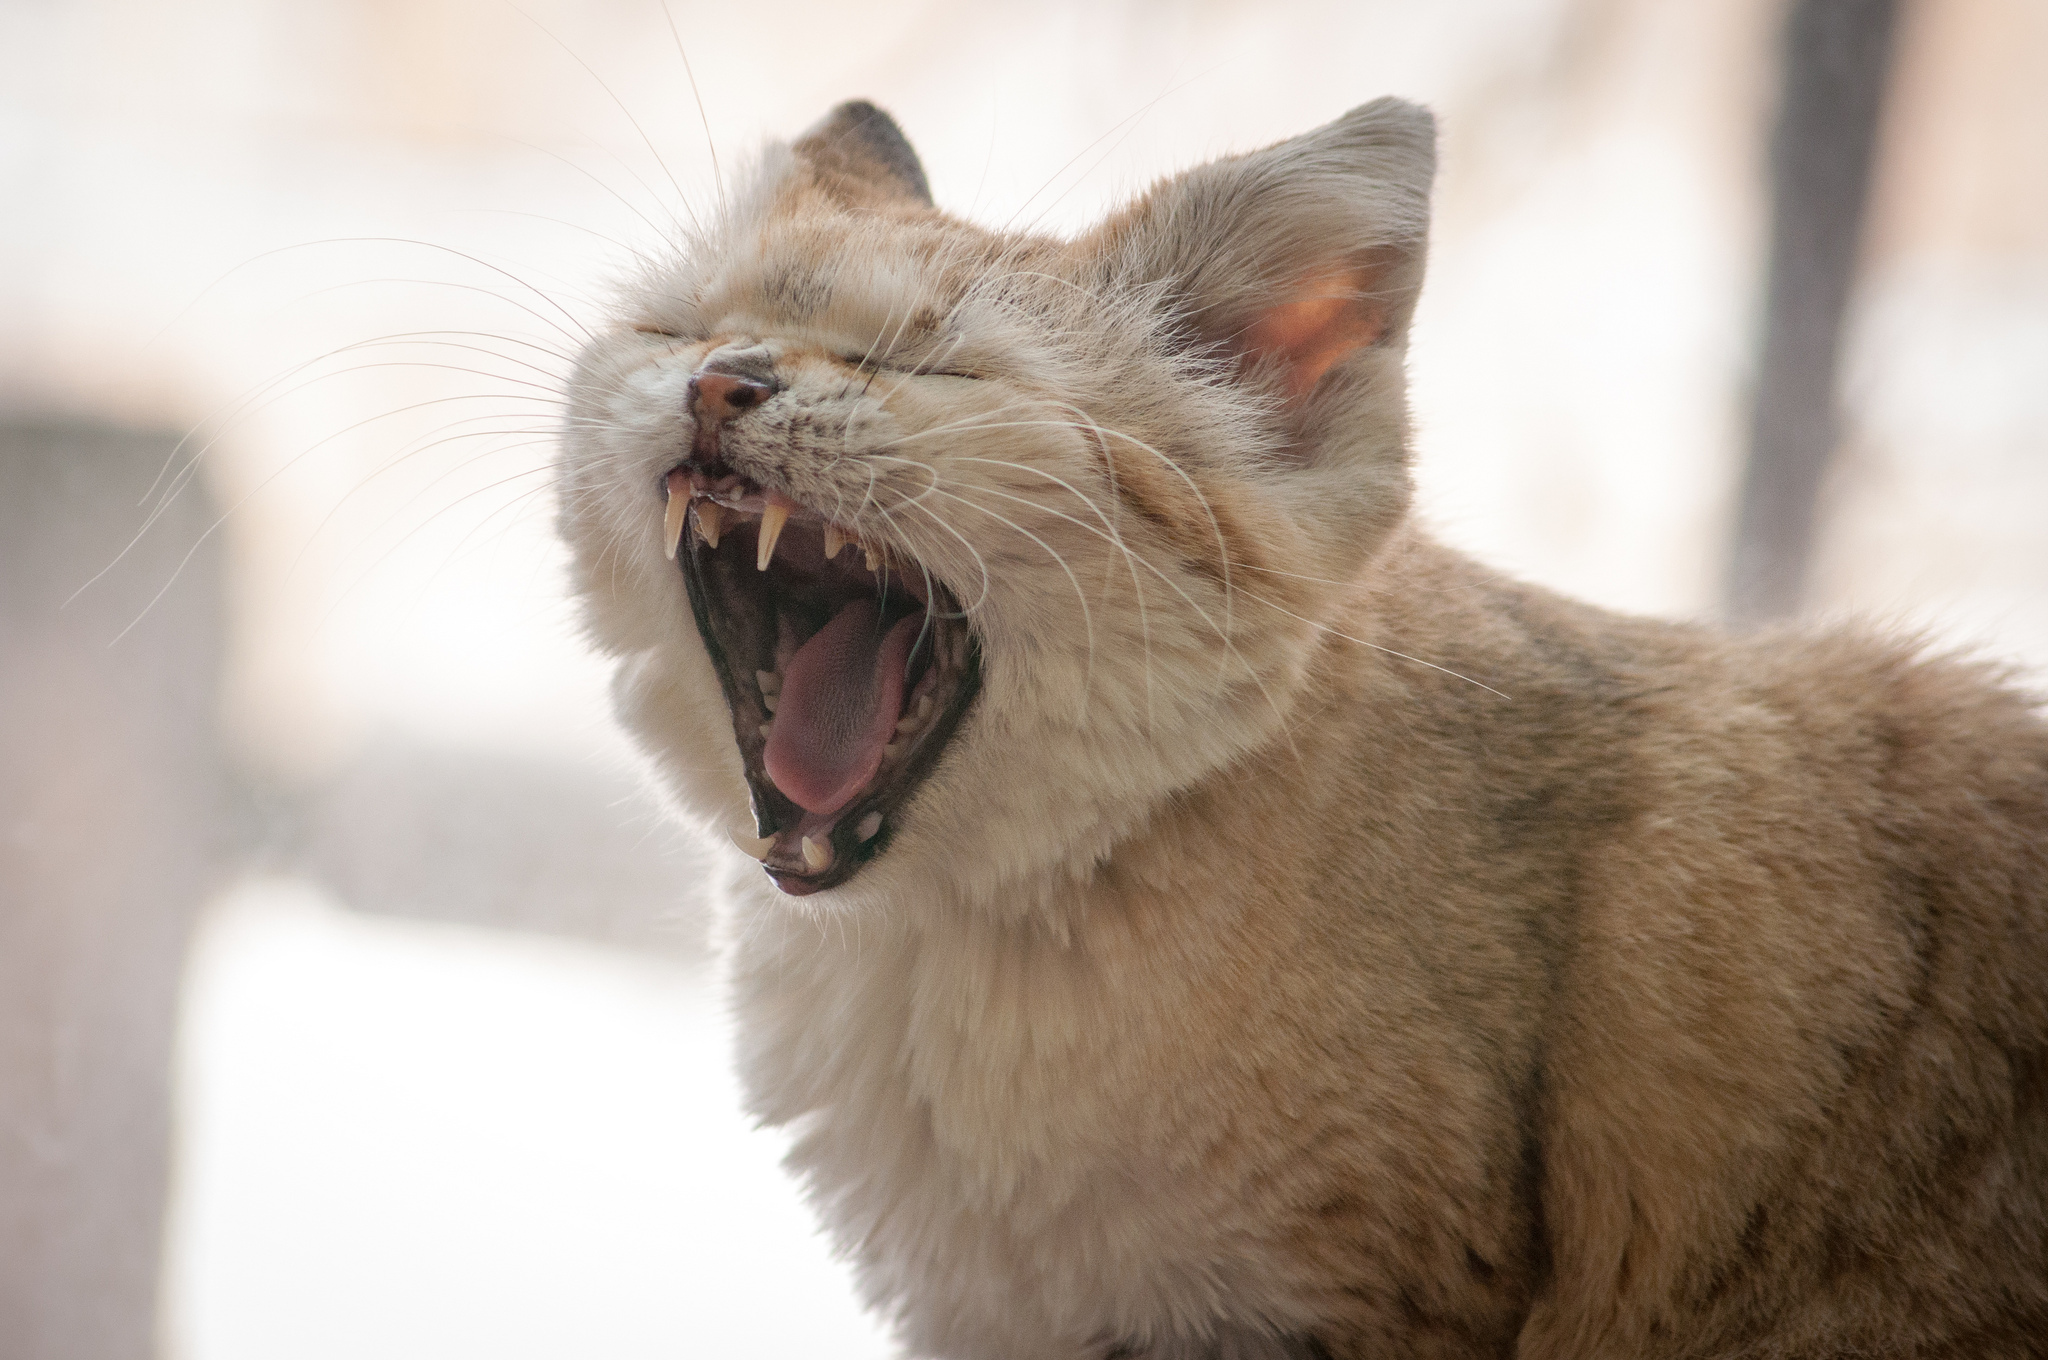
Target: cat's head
[937,556]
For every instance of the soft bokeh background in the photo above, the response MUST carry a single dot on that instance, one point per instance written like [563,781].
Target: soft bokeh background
[346,972]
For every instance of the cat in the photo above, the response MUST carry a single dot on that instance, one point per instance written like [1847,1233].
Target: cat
[1187,912]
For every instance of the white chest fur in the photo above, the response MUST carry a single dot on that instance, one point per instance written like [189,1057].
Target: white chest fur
[1007,1131]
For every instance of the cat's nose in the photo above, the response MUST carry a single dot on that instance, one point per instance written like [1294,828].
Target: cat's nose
[718,397]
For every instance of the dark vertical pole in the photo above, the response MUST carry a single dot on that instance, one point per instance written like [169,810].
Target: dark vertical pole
[1836,56]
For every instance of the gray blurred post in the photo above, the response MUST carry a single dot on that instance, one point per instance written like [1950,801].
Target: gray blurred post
[112,829]
[1836,57]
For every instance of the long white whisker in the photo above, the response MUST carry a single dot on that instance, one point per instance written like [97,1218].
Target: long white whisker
[1377,647]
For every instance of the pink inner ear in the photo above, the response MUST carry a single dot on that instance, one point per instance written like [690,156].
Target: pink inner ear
[1324,318]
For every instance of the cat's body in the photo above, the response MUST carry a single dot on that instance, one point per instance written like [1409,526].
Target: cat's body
[1289,939]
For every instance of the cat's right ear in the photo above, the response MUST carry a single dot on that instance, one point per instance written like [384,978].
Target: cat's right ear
[859,155]
[1292,261]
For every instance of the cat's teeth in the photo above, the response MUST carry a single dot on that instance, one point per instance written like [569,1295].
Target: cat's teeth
[892,750]
[834,541]
[769,681]
[874,558]
[765,729]
[772,519]
[817,854]
[769,699]
[758,847]
[924,707]
[672,524]
[710,522]
[907,724]
[869,825]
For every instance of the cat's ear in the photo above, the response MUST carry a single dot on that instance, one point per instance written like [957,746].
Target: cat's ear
[859,154]
[1295,259]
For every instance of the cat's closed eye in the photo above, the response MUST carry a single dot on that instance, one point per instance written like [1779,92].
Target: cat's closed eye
[870,363]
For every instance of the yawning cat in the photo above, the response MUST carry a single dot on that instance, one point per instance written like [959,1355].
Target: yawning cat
[1196,915]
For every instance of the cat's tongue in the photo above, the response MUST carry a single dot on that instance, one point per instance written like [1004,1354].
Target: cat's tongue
[842,693]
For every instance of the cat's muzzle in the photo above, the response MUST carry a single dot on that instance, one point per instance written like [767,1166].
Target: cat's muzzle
[846,668]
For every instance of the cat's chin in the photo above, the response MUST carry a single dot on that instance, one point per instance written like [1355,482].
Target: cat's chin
[846,670]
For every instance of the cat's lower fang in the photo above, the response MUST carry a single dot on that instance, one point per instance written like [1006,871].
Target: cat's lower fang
[769,681]
[868,826]
[834,541]
[817,854]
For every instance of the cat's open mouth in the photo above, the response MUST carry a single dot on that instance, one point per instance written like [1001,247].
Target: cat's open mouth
[846,670]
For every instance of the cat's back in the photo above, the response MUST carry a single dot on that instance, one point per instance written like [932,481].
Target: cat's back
[1793,1062]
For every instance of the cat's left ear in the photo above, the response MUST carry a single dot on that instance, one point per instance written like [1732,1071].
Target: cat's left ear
[857,153]
[1294,260]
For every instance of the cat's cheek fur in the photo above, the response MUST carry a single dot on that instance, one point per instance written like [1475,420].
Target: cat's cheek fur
[668,697]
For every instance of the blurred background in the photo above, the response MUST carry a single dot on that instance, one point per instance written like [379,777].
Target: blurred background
[354,997]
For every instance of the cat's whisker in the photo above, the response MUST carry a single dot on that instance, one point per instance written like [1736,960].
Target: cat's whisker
[980,562]
[1087,616]
[232,410]
[704,119]
[1139,559]
[1115,538]
[584,170]
[433,439]
[1376,646]
[624,247]
[682,199]
[190,469]
[1215,525]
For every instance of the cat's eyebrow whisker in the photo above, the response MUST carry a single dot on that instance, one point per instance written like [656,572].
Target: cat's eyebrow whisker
[552,220]
[681,198]
[717,174]
[584,170]
[261,256]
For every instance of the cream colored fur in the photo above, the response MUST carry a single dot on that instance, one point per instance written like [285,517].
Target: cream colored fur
[1311,945]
